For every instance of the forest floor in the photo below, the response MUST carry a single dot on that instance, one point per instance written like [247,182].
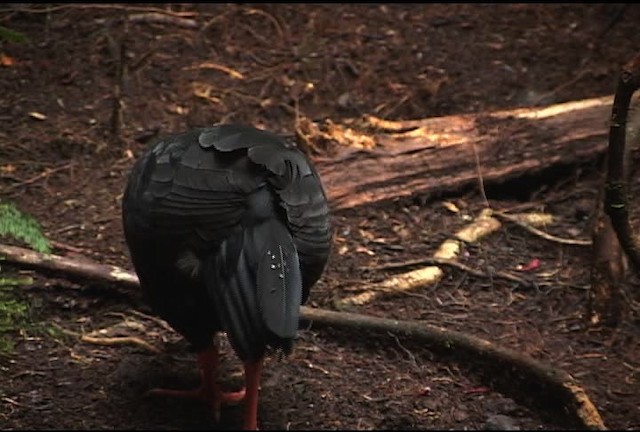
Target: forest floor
[63,161]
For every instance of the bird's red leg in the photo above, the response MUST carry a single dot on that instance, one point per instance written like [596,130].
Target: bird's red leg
[252,374]
[209,390]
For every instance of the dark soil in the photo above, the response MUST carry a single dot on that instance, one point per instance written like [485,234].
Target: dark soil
[60,162]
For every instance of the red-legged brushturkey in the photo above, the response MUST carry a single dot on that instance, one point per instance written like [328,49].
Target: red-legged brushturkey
[228,229]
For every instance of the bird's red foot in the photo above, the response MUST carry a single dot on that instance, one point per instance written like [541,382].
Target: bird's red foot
[215,398]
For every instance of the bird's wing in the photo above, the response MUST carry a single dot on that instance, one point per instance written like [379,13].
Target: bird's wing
[297,185]
[188,190]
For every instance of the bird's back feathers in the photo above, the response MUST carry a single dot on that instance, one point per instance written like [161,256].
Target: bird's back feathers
[239,219]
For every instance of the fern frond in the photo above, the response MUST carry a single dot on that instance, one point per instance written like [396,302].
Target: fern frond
[23,227]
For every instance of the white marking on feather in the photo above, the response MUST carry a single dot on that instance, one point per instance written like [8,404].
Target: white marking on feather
[284,281]
[189,263]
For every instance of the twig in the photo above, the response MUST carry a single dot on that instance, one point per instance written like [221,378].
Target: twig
[457,265]
[545,97]
[160,322]
[541,233]
[108,341]
[553,388]
[619,13]
[47,10]
[274,21]
[210,65]
[123,340]
[119,54]
[476,158]
[159,18]
[46,173]
[64,246]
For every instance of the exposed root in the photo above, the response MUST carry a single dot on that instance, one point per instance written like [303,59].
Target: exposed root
[535,231]
[122,340]
[515,373]
[554,389]
[484,225]
[449,263]
[92,338]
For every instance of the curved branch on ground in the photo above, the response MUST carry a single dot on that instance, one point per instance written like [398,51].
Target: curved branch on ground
[514,373]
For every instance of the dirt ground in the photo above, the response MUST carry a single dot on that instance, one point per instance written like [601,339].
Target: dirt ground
[265,64]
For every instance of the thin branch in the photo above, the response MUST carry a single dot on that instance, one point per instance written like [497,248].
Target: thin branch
[476,158]
[46,173]
[121,340]
[552,388]
[85,269]
[47,10]
[109,341]
[121,73]
[541,233]
[616,202]
[159,18]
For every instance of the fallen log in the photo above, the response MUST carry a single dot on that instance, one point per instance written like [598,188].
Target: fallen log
[514,373]
[436,155]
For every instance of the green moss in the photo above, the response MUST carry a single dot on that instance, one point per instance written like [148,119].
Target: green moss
[14,311]
[14,314]
[12,36]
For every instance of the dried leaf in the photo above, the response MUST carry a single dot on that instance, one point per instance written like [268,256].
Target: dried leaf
[6,61]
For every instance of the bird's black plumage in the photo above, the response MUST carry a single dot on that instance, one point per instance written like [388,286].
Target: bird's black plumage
[228,229]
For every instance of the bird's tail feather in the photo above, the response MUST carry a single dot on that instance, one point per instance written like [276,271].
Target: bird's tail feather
[256,284]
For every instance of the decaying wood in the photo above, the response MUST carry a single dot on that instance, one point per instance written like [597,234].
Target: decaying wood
[509,370]
[434,155]
[484,225]
[607,273]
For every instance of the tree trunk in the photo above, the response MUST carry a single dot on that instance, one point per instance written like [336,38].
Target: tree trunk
[607,271]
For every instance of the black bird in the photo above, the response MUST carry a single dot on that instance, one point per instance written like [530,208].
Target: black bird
[228,229]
